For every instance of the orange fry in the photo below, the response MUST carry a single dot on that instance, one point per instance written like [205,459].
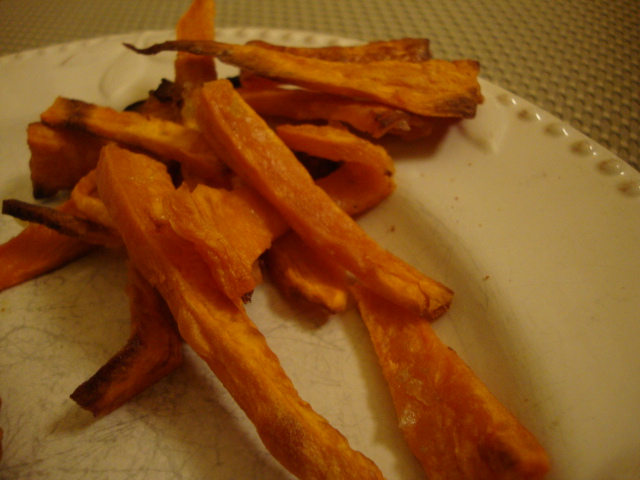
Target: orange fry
[67,223]
[167,140]
[153,350]
[197,23]
[257,155]
[432,88]
[37,250]
[191,71]
[404,49]
[133,187]
[452,423]
[305,105]
[230,230]
[362,181]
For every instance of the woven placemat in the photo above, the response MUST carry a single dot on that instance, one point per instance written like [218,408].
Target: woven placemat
[577,59]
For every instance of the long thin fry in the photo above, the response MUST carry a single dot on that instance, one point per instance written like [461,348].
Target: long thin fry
[403,49]
[37,250]
[153,350]
[304,105]
[258,156]
[432,88]
[453,424]
[133,187]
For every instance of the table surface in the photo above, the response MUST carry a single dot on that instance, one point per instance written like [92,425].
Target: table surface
[577,59]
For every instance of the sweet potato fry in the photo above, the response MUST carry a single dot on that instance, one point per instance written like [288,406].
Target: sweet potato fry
[362,181]
[69,224]
[191,71]
[197,23]
[431,88]
[59,157]
[372,118]
[365,177]
[167,140]
[452,423]
[37,250]
[257,155]
[153,350]
[133,187]
[301,272]
[404,49]
[230,229]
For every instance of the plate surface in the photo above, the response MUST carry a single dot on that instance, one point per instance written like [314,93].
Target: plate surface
[535,227]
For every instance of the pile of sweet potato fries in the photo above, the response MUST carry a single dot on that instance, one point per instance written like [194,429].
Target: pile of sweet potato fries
[206,193]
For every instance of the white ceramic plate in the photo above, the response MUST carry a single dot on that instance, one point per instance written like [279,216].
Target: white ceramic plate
[536,228]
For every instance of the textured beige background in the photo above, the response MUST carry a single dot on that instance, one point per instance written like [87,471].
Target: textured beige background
[577,59]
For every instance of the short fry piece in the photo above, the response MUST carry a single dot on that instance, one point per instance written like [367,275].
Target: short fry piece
[432,88]
[259,157]
[59,157]
[372,118]
[300,271]
[452,423]
[153,350]
[133,187]
[165,139]
[365,177]
[404,49]
[37,250]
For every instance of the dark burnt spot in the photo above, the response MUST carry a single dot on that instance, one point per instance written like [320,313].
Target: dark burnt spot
[76,112]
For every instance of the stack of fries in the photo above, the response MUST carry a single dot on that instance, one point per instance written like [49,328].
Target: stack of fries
[205,195]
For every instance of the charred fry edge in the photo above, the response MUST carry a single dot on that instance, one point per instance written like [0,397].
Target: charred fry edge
[62,222]
[153,350]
